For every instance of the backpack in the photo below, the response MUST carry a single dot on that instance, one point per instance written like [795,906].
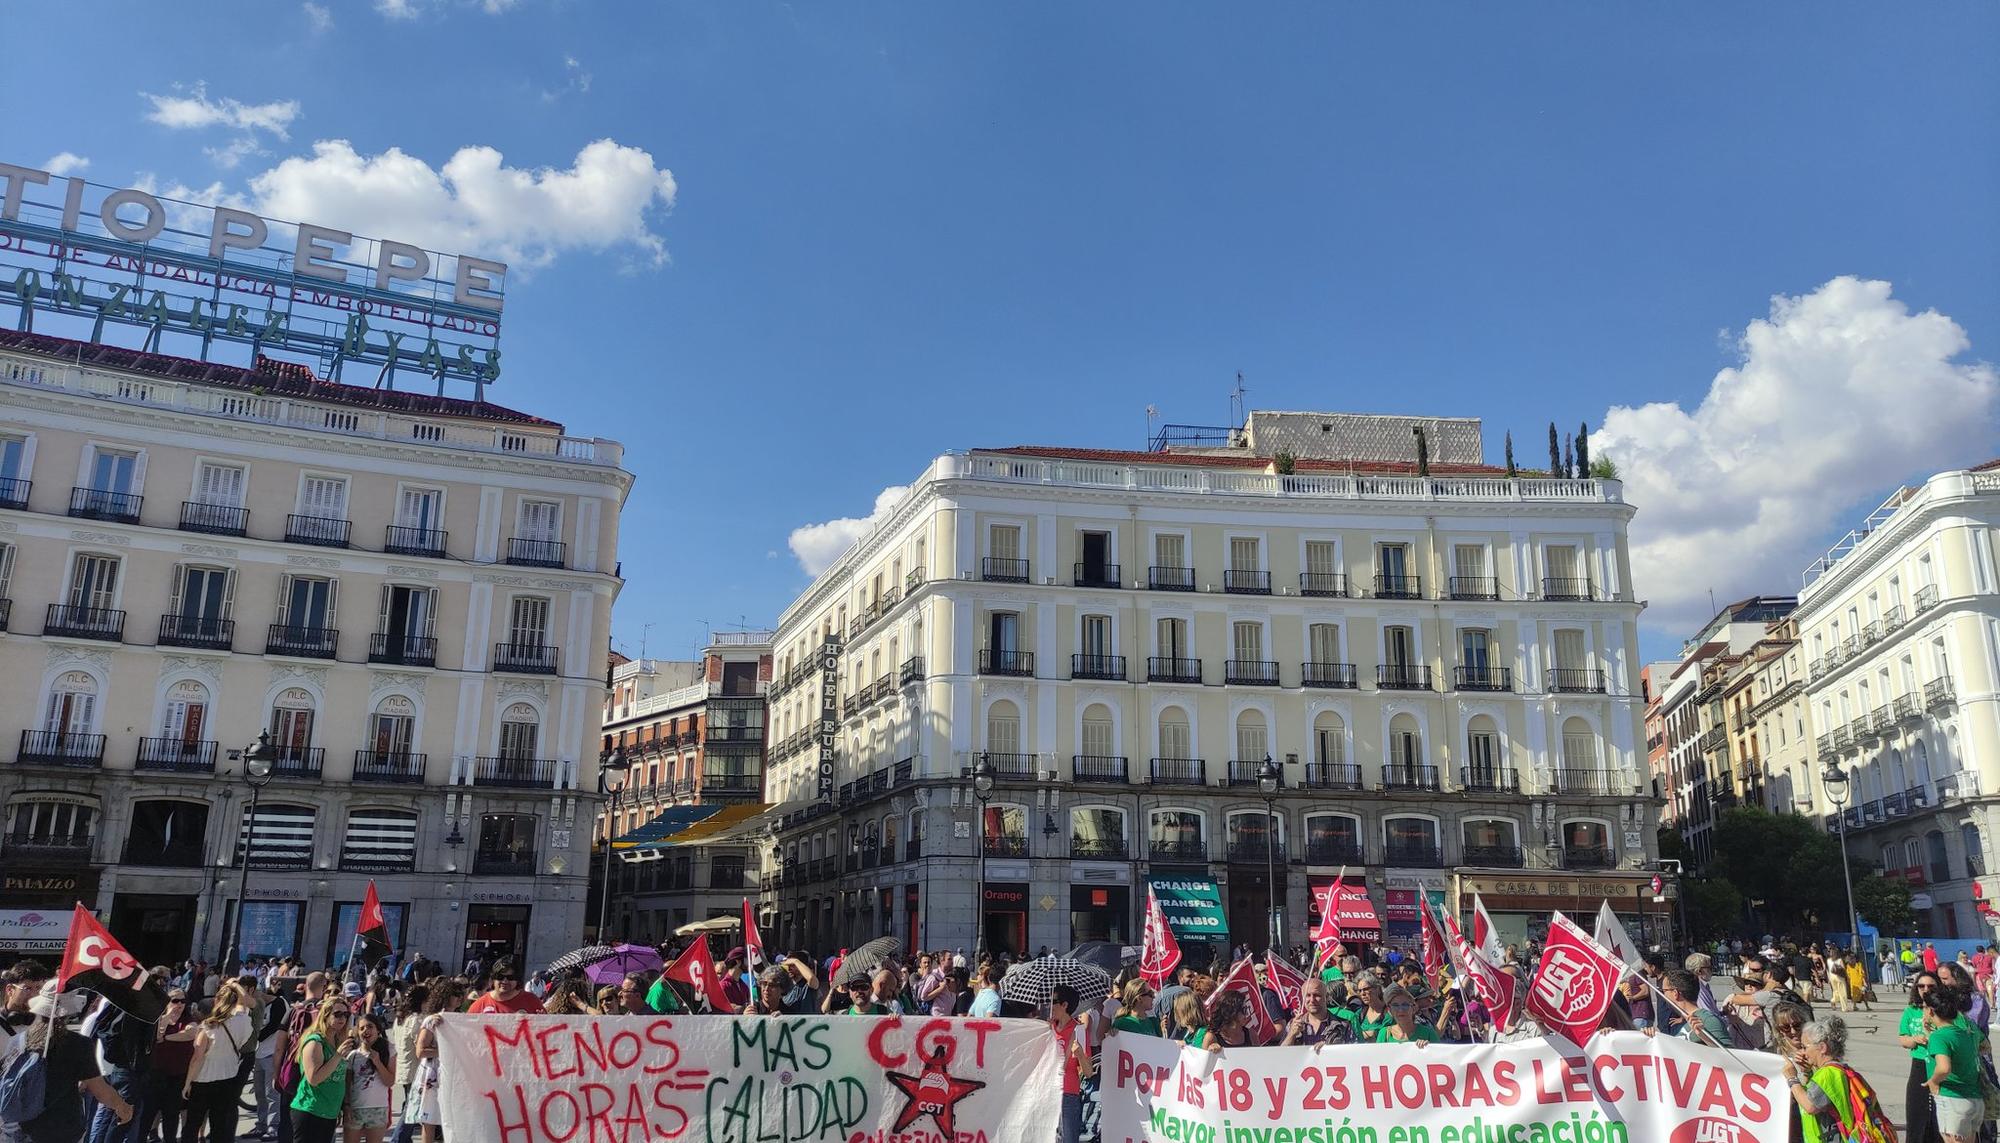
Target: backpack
[1864,1111]
[23,1089]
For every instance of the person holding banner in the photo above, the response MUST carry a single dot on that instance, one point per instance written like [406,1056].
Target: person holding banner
[1071,1034]
[1228,1023]
[1404,1027]
[1315,1022]
[1371,1013]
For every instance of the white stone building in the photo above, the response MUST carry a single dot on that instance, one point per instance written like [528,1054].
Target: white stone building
[410,594]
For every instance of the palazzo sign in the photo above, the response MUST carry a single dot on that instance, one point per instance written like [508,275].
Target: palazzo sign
[93,255]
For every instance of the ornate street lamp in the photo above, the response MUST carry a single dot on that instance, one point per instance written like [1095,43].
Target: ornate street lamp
[1269,778]
[612,768]
[1837,785]
[982,790]
[258,758]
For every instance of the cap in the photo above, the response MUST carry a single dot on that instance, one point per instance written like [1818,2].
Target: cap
[52,1004]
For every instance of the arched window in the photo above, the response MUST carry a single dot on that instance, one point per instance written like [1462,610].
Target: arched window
[1975,855]
[1098,831]
[520,733]
[292,725]
[1411,842]
[1406,754]
[1898,779]
[52,828]
[1333,839]
[1493,842]
[1911,859]
[1329,749]
[1482,755]
[1587,845]
[1100,746]
[1004,830]
[72,709]
[1177,835]
[392,728]
[1920,764]
[1003,733]
[886,839]
[1253,743]
[281,836]
[1579,757]
[1177,745]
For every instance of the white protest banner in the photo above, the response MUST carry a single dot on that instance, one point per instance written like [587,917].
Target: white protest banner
[747,1079]
[1623,1088]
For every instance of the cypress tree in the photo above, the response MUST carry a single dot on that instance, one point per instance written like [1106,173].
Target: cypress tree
[1423,452]
[1568,458]
[1512,472]
[1555,451]
[1583,449]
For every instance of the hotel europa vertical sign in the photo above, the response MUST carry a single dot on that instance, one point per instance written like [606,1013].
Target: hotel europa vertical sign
[82,257]
[829,712]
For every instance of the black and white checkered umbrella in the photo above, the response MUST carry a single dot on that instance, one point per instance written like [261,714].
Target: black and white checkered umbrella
[578,958]
[1032,982]
[862,962]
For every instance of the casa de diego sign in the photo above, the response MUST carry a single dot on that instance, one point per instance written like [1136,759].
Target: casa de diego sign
[82,254]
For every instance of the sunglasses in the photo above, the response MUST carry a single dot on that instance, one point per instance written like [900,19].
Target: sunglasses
[506,980]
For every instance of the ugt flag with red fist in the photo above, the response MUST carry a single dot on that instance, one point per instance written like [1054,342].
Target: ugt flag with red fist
[94,962]
[1574,983]
[1160,955]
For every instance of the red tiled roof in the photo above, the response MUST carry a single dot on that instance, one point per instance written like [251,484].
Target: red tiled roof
[1242,460]
[1989,466]
[284,378]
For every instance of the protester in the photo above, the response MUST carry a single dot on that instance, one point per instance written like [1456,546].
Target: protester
[160,1100]
[783,990]
[370,1078]
[1824,1088]
[1315,1022]
[1371,1013]
[215,1072]
[403,1039]
[1951,1047]
[507,995]
[1135,1007]
[1228,1023]
[1071,1035]
[1189,1020]
[1921,1121]
[421,1106]
[986,990]
[570,996]
[1699,1024]
[607,1001]
[1164,1002]
[69,1070]
[322,1063]
[303,1012]
[1957,975]
[1404,1028]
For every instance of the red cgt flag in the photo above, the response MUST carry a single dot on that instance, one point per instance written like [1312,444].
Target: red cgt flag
[1242,978]
[1284,979]
[1574,983]
[94,961]
[696,966]
[1160,953]
[753,941]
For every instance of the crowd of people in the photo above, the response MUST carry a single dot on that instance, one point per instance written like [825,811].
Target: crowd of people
[304,1054]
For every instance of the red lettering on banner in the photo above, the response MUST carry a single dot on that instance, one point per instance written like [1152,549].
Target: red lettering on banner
[1641,1066]
[1444,1084]
[656,1036]
[876,1035]
[1477,1093]
[1681,1087]
[1756,1103]
[1510,1088]
[1598,1067]
[508,1127]
[495,1037]
[1717,1097]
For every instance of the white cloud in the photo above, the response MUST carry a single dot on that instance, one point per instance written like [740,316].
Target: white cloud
[576,81]
[319,17]
[65,163]
[238,149]
[397,9]
[474,204]
[818,545]
[496,7]
[194,110]
[1840,394]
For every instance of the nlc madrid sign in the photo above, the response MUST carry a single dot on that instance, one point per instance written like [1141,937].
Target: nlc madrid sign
[79,253]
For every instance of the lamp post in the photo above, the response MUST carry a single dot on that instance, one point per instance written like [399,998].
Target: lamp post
[257,760]
[1835,782]
[611,771]
[982,789]
[1269,778]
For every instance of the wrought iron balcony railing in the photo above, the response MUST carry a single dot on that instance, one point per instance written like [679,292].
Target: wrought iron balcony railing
[525,658]
[1161,669]
[197,631]
[1003,569]
[1250,672]
[1170,578]
[319,531]
[1245,582]
[1483,678]
[1097,575]
[400,767]
[998,662]
[1097,667]
[403,540]
[537,553]
[102,504]
[403,650]
[69,622]
[304,642]
[214,519]
[1338,676]
[1105,768]
[1179,772]
[1331,584]
[175,756]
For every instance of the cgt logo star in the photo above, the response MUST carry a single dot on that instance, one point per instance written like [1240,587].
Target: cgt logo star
[934,1093]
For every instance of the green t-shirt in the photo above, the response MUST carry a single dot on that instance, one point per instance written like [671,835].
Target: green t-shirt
[1958,1041]
[325,1098]
[1912,1024]
[1368,1031]
[1418,1031]
[1135,1024]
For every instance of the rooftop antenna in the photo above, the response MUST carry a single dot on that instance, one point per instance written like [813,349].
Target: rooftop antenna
[1236,418]
[1711,601]
[644,630]
[1152,415]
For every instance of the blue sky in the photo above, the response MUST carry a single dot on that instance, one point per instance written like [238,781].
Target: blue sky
[894,229]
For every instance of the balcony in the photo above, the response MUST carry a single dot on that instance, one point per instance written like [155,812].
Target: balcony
[1005,847]
[1097,667]
[1003,569]
[1016,663]
[396,767]
[1250,672]
[61,748]
[1166,670]
[1098,768]
[401,540]
[1243,582]
[1576,680]
[175,756]
[1255,851]
[1099,848]
[1403,677]
[1399,587]
[1324,584]
[1906,709]
[100,504]
[1589,857]
[1493,856]
[214,519]
[1188,852]
[734,732]
[1407,855]
[403,650]
[503,862]
[1883,721]
[1333,776]
[302,642]
[1841,736]
[1336,676]
[67,850]
[1863,731]
[1926,598]
[912,671]
[1170,579]
[1598,783]
[1490,779]
[68,622]
[1568,589]
[730,782]
[1097,575]
[1482,678]
[1245,773]
[1409,776]
[1015,767]
[1472,587]
[14,493]
[525,658]
[1179,772]
[537,553]
[1711,740]
[1336,851]
[304,763]
[515,773]
[6,612]
[197,631]
[318,531]
[1938,694]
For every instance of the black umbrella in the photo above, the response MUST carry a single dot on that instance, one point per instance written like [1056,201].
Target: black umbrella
[1032,982]
[1107,955]
[862,962]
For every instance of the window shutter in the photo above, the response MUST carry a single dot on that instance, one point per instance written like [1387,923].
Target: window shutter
[1470,560]
[1242,555]
[6,567]
[1320,559]
[1097,737]
[1249,642]
[228,595]
[176,592]
[332,597]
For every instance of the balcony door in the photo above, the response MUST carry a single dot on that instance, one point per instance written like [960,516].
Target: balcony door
[114,472]
[1482,753]
[1394,563]
[1170,550]
[1323,643]
[292,723]
[1247,640]
[420,508]
[392,728]
[93,582]
[529,624]
[309,604]
[1570,653]
[541,521]
[1475,650]
[1173,639]
[219,485]
[1097,638]
[1243,554]
[323,498]
[1096,556]
[1003,630]
[407,612]
[1399,649]
[186,715]
[519,736]
[72,704]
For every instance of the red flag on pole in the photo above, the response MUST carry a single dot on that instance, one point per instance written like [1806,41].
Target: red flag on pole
[1329,908]
[93,961]
[696,966]
[372,929]
[1242,978]
[1573,986]
[1495,989]
[1284,979]
[1436,960]
[1325,955]
[753,941]
[1160,953]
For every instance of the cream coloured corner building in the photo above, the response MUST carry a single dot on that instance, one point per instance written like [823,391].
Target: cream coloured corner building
[410,594]
[1444,669]
[1900,628]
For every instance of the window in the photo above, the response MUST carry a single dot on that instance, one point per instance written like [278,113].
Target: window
[1003,631]
[1095,550]
[1406,748]
[13,458]
[1570,654]
[1410,837]
[166,833]
[1586,836]
[420,508]
[380,840]
[1468,563]
[283,837]
[1393,563]
[507,836]
[520,729]
[1579,747]
[1176,829]
[6,564]
[541,521]
[1975,856]
[54,824]
[220,485]
[1003,823]
[200,601]
[1243,554]
[1940,862]
[186,714]
[1003,728]
[1322,558]
[93,582]
[113,471]
[1252,831]
[1175,741]
[1096,641]
[1475,650]
[528,623]
[410,613]
[1097,831]
[1564,567]
[308,603]
[292,722]
[1323,643]
[1488,837]
[1253,743]
[1172,635]
[1004,541]
[1329,739]
[1098,736]
[72,705]
[1482,753]
[1247,640]
[323,497]
[392,728]
[1170,550]
[1399,648]
[1333,838]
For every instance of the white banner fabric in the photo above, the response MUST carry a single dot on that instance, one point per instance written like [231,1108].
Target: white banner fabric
[729,1079]
[1625,1088]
